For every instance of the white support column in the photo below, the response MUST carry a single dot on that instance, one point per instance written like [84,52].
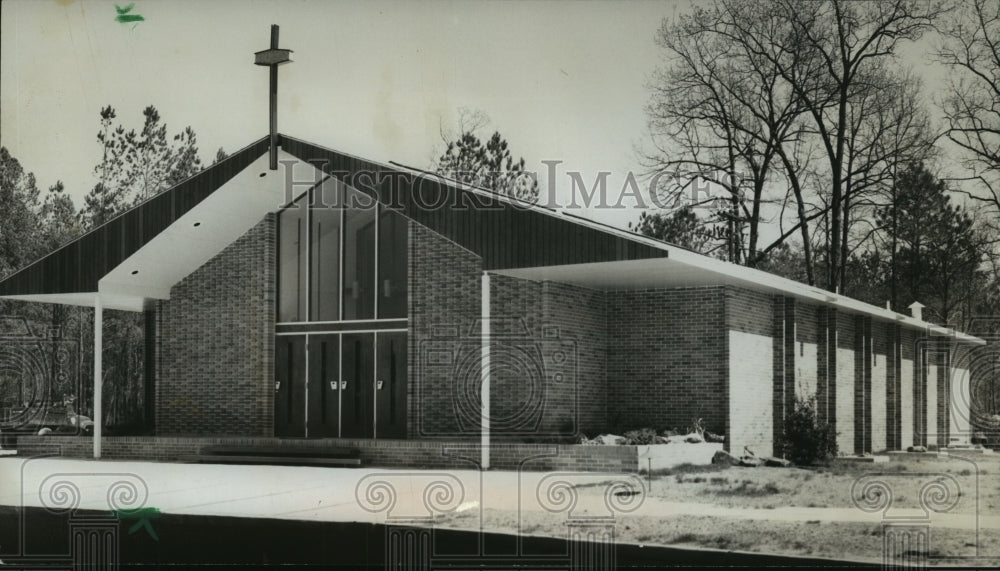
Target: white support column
[484,395]
[98,350]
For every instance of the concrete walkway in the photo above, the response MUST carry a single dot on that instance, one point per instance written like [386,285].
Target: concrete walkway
[373,495]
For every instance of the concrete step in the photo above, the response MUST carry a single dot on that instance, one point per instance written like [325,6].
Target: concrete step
[291,450]
[875,459]
[283,460]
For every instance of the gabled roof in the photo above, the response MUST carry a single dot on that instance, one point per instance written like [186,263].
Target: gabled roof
[139,255]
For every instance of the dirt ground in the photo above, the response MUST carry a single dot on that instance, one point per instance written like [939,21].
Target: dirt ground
[976,483]
[835,486]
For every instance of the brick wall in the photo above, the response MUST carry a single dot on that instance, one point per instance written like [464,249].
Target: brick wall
[749,321]
[783,382]
[215,347]
[826,365]
[444,311]
[658,358]
[943,395]
[579,316]
[548,349]
[520,401]
[668,359]
[380,453]
[931,400]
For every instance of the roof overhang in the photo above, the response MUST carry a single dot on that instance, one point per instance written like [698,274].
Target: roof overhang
[683,268]
[192,239]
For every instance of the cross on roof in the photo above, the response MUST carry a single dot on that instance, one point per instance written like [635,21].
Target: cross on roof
[272,58]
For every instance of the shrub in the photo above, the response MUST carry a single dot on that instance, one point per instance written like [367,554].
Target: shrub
[642,436]
[806,440]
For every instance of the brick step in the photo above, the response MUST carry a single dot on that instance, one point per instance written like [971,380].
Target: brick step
[280,451]
[275,460]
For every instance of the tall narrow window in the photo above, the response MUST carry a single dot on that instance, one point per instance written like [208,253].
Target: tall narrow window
[341,257]
[392,259]
[292,262]
[359,256]
[324,275]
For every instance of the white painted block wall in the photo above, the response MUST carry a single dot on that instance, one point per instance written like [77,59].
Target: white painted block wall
[906,402]
[961,425]
[751,420]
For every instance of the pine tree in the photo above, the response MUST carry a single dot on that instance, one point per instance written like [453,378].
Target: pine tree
[490,165]
[136,166]
[940,248]
[19,203]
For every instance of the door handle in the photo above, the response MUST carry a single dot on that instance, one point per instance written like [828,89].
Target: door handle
[343,385]
[333,385]
[378,385]
[277,385]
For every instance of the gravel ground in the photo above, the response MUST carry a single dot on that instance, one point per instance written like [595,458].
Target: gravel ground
[769,488]
[832,486]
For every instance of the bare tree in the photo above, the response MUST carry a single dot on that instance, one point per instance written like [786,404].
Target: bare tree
[720,113]
[904,137]
[841,73]
[795,95]
[971,49]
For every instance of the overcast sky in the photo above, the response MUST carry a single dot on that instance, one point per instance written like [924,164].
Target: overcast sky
[561,80]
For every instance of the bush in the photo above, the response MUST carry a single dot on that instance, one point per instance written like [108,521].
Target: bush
[806,440]
[642,436]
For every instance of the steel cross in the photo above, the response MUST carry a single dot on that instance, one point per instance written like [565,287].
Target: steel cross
[272,58]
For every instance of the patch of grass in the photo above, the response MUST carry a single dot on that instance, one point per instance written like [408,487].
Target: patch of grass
[751,490]
[644,537]
[965,472]
[719,481]
[682,479]
[593,484]
[686,537]
[691,469]
[726,542]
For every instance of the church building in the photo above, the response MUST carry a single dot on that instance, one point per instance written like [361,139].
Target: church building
[297,295]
